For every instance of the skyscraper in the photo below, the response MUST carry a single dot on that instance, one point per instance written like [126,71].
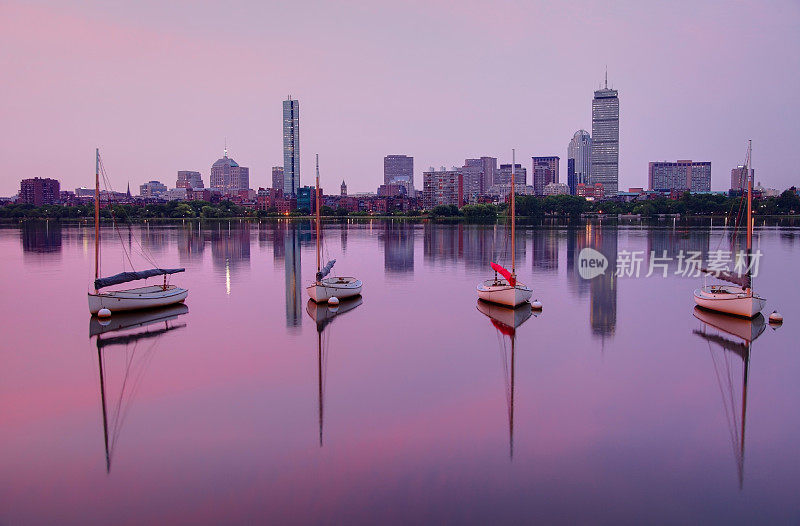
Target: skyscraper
[399,169]
[277,178]
[489,172]
[228,177]
[605,140]
[39,191]
[578,160]
[545,171]
[291,146]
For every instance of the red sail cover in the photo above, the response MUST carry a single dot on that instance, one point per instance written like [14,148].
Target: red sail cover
[503,272]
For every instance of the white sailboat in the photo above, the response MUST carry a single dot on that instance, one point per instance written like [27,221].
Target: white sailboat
[738,299]
[147,297]
[508,290]
[323,289]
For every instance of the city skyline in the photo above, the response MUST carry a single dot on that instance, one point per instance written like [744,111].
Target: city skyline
[61,102]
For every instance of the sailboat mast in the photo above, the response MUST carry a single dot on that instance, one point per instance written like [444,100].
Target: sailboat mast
[749,197]
[513,217]
[317,203]
[319,383]
[97,214]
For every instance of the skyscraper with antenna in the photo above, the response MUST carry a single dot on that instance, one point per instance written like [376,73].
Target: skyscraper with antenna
[604,164]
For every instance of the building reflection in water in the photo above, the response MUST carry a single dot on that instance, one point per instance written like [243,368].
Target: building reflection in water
[190,242]
[132,338]
[545,249]
[475,245]
[672,243]
[40,237]
[287,238]
[398,247]
[602,288]
[230,248]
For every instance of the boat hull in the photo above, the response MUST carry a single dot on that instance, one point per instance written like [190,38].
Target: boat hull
[729,300]
[338,286]
[501,293]
[136,299]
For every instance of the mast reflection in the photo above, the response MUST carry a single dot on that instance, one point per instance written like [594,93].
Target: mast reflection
[133,328]
[506,321]
[323,315]
[717,330]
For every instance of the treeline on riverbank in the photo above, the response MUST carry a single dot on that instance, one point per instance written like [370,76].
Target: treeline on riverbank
[788,203]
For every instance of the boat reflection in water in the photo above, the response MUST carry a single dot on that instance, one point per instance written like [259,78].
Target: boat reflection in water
[323,314]
[138,333]
[506,320]
[734,337]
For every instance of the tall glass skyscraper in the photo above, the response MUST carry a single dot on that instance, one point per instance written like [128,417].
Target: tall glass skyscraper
[605,140]
[291,146]
[578,160]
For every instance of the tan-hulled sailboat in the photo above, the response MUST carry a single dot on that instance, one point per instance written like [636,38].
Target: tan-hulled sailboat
[130,299]
[323,289]
[508,290]
[738,299]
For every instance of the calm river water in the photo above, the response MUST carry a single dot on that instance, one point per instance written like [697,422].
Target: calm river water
[619,402]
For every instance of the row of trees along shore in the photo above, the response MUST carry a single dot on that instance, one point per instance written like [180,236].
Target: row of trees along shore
[788,203]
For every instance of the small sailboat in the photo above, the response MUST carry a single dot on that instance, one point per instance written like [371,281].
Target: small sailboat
[323,315]
[738,299]
[506,321]
[507,291]
[718,328]
[324,288]
[147,297]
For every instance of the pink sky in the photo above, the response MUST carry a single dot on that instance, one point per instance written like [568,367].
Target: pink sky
[159,87]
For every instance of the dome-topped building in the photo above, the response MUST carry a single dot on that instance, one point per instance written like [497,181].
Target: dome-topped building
[228,177]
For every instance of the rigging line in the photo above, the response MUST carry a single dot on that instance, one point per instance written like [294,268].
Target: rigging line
[109,195]
[727,404]
[110,188]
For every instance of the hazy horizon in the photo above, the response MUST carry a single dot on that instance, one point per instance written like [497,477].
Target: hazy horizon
[161,88]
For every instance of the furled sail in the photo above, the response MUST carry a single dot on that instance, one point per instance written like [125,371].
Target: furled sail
[324,271]
[505,273]
[124,277]
[743,280]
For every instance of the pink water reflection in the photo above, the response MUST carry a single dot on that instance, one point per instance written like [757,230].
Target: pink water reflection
[618,412]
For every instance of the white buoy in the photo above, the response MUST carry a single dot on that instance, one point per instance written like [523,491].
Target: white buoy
[103,313]
[536,305]
[775,317]
[333,300]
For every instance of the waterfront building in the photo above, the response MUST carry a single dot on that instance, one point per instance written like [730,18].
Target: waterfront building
[680,176]
[594,192]
[578,160]
[392,190]
[545,171]
[604,159]
[739,179]
[556,189]
[307,198]
[152,189]
[399,169]
[228,177]
[442,187]
[40,191]
[291,146]
[188,179]
[277,178]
